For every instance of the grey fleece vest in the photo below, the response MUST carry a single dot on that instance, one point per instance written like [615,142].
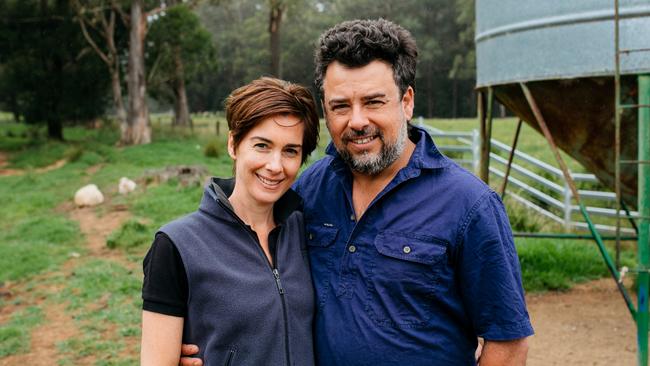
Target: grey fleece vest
[241,311]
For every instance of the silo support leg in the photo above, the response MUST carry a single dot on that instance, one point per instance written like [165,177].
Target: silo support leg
[567,176]
[644,220]
[485,117]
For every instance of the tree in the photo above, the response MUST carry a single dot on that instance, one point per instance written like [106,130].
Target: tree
[48,75]
[180,48]
[100,17]
[276,11]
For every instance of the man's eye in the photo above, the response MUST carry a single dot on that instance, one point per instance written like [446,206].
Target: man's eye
[375,103]
[339,107]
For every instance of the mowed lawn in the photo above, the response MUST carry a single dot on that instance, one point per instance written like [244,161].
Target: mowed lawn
[47,265]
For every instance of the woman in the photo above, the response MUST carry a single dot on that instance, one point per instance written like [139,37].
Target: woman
[233,277]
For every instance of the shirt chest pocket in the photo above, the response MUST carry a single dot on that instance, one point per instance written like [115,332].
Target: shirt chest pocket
[406,270]
[320,240]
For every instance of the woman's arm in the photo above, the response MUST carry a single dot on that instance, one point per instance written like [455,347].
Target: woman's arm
[161,339]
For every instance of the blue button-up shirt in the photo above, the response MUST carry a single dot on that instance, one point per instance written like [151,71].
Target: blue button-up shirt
[429,266]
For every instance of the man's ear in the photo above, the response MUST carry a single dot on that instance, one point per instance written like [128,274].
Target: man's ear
[231,146]
[408,103]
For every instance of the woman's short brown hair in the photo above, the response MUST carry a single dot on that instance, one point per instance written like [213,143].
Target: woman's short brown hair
[265,97]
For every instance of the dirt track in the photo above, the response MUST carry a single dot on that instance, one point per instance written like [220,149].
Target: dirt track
[589,325]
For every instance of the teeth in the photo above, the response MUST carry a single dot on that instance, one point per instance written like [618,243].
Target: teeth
[363,140]
[269,181]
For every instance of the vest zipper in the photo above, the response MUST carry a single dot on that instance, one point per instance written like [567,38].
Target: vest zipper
[231,355]
[276,276]
[276,273]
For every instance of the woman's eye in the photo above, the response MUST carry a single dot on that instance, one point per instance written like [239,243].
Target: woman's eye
[261,146]
[291,152]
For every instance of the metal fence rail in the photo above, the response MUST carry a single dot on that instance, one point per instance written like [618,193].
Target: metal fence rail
[539,186]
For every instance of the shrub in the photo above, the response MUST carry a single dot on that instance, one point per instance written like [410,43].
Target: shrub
[213,148]
[132,234]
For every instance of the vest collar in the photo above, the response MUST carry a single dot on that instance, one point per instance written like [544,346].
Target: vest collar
[219,189]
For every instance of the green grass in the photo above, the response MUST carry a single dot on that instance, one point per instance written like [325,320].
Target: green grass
[104,299]
[15,334]
[551,264]
[102,295]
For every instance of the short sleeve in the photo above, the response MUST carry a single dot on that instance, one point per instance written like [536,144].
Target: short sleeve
[490,275]
[165,288]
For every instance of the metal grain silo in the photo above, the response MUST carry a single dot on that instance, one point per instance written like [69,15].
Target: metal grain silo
[564,51]
[578,71]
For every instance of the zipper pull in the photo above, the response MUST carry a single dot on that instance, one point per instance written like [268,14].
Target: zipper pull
[276,274]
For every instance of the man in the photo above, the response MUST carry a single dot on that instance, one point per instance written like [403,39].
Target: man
[412,256]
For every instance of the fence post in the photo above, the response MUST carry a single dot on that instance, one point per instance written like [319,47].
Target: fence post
[420,121]
[476,151]
[567,205]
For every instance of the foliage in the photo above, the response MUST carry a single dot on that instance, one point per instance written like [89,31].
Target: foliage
[179,32]
[46,74]
[214,148]
[551,264]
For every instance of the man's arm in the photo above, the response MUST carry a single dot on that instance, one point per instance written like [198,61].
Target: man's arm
[504,353]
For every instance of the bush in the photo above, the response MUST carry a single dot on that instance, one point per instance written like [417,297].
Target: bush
[213,148]
[132,234]
[73,153]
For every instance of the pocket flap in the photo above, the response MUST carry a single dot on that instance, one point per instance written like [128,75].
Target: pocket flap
[321,235]
[411,247]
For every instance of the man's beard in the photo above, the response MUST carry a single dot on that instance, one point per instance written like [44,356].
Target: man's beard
[373,164]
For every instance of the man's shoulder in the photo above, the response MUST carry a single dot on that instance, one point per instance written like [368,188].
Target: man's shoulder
[318,170]
[456,180]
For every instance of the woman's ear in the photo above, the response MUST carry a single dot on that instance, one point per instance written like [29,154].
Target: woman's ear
[231,146]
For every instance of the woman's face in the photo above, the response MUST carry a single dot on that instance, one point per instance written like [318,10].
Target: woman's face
[268,158]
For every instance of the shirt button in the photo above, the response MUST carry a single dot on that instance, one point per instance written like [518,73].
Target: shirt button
[352,249]
[311,236]
[352,217]
[406,249]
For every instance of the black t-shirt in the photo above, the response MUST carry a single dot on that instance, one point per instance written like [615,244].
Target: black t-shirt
[165,288]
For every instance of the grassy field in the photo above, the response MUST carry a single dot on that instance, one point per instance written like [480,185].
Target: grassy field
[45,263]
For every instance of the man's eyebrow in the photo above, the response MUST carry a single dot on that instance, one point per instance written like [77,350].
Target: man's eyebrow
[337,101]
[373,96]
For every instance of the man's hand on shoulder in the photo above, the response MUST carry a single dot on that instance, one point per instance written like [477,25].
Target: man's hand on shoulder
[190,350]
[504,353]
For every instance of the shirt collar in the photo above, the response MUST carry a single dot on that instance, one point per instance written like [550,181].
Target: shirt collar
[425,156]
[219,189]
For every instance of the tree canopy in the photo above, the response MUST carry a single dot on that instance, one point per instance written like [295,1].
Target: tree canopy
[55,53]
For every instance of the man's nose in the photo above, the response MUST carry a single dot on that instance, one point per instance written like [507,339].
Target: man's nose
[358,120]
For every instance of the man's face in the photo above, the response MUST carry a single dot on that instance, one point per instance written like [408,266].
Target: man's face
[366,116]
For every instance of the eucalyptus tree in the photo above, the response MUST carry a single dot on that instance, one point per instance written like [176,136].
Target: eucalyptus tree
[179,48]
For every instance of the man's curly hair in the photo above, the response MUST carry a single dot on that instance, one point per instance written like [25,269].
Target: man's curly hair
[356,43]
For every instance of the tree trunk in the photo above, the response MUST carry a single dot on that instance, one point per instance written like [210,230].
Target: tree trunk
[181,108]
[114,69]
[454,105]
[138,129]
[275,20]
[54,129]
[117,97]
